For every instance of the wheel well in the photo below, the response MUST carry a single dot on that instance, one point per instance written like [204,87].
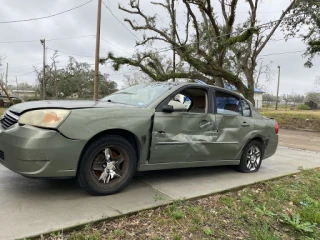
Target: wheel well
[129,136]
[257,139]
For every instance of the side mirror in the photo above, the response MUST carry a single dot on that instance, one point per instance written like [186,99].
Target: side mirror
[167,108]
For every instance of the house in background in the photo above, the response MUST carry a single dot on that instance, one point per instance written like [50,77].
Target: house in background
[24,94]
[257,96]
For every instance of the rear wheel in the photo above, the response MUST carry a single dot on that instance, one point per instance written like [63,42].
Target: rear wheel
[251,157]
[107,165]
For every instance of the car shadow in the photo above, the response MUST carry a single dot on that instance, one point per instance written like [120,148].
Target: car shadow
[12,183]
[185,172]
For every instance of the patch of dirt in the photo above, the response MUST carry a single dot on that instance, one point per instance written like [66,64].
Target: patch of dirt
[300,139]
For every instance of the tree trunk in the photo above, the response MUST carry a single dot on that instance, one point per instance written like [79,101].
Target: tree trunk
[250,87]
[251,99]
[219,82]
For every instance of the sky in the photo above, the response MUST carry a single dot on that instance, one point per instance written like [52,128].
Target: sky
[21,48]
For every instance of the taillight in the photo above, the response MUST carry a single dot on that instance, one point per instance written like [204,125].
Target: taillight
[277,127]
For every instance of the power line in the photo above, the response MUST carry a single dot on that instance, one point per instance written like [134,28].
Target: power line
[115,46]
[120,21]
[283,39]
[21,66]
[281,53]
[24,74]
[67,38]
[91,64]
[52,15]
[68,53]
[18,71]
[52,39]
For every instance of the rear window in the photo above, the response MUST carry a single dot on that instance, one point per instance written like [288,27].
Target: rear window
[228,104]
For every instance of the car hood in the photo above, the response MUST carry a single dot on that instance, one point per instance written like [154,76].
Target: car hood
[73,104]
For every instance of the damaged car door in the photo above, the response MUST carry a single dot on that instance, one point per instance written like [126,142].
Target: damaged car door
[184,128]
[234,124]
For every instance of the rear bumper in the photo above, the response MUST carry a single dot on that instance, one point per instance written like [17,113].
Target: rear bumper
[36,152]
[271,147]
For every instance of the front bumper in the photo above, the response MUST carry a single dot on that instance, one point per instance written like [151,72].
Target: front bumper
[36,152]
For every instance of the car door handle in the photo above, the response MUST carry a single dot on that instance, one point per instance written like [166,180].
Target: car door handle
[205,124]
[245,124]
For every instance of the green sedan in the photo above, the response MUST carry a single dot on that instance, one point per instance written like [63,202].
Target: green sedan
[146,127]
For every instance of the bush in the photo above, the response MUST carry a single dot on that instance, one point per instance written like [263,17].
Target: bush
[312,105]
[303,107]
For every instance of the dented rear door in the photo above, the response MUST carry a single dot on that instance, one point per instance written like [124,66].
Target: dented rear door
[234,125]
[233,132]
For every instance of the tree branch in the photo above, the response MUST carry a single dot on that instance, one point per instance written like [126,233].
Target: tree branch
[224,12]
[150,39]
[195,24]
[284,13]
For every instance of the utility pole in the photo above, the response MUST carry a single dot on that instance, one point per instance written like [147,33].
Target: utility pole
[7,76]
[278,88]
[43,42]
[96,69]
[56,80]
[174,39]
[17,86]
[6,93]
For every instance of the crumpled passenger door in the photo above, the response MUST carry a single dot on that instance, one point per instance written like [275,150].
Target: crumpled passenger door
[233,133]
[183,137]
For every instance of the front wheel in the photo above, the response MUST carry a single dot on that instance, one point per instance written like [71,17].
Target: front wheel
[251,157]
[107,165]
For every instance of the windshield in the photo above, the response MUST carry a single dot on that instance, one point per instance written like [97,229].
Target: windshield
[139,95]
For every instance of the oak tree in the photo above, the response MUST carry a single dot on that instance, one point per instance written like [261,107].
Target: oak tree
[212,47]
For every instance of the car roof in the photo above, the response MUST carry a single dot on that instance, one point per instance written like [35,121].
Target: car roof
[180,84]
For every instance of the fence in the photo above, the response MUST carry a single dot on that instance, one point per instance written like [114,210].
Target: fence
[281,105]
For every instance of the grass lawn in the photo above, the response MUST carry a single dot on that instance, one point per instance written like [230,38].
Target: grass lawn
[2,110]
[296,120]
[286,208]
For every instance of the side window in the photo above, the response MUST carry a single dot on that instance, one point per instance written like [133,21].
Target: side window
[246,108]
[193,100]
[227,104]
[180,103]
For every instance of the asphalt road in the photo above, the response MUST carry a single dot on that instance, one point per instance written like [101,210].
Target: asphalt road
[30,207]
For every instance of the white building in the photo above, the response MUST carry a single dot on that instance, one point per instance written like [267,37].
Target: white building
[257,97]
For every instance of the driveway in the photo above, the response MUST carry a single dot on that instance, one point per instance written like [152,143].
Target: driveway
[30,207]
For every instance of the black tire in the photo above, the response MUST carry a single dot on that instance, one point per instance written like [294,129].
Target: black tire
[87,176]
[246,164]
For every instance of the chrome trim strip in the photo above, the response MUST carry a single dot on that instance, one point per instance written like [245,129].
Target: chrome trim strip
[195,142]
[11,115]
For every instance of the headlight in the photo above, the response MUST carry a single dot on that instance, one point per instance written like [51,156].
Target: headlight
[48,118]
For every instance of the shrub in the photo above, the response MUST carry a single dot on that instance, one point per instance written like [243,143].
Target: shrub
[312,105]
[303,107]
